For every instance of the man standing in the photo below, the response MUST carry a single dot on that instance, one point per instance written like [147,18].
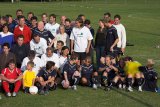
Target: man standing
[111,39]
[20,50]
[11,77]
[22,29]
[80,39]
[52,26]
[121,33]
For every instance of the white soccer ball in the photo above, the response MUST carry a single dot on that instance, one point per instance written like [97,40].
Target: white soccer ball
[33,90]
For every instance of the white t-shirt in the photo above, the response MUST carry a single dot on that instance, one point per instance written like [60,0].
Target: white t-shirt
[62,61]
[37,64]
[39,48]
[63,37]
[80,37]
[53,58]
[53,28]
[121,35]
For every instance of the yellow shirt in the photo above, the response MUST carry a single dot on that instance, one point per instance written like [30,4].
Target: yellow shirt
[28,77]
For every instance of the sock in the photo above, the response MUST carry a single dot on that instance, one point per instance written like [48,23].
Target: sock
[95,80]
[130,81]
[76,80]
[140,81]
[105,80]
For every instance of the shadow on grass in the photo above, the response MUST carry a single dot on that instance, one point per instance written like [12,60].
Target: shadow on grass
[133,98]
[144,32]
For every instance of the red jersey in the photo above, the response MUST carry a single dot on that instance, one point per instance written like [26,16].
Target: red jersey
[11,74]
[26,32]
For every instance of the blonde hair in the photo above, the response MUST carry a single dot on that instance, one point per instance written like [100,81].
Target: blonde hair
[150,62]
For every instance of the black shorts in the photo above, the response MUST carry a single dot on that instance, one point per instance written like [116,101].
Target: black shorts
[81,55]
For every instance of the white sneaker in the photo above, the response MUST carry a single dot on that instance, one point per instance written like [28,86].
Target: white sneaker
[99,85]
[140,88]
[8,94]
[124,86]
[14,94]
[94,86]
[120,86]
[130,89]
[74,87]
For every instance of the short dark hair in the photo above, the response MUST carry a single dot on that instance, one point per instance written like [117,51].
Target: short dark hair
[4,18]
[6,44]
[21,17]
[73,57]
[67,20]
[65,47]
[44,14]
[30,13]
[80,21]
[32,53]
[87,21]
[49,65]
[20,36]
[35,34]
[109,14]
[19,10]
[8,15]
[52,15]
[12,61]
[80,15]
[34,18]
[5,25]
[128,58]
[117,16]
[61,42]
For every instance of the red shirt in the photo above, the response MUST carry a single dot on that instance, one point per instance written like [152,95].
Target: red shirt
[112,22]
[26,32]
[11,74]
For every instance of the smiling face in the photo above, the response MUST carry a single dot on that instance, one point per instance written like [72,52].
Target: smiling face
[5,29]
[116,21]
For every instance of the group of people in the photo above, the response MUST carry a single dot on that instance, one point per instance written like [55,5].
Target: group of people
[47,54]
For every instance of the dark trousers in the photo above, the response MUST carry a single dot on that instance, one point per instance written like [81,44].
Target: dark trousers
[99,54]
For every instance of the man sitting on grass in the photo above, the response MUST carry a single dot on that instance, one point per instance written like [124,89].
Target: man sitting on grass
[11,79]
[46,78]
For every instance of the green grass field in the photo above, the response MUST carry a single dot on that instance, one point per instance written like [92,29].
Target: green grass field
[141,19]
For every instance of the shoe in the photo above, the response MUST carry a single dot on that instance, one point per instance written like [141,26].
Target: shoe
[107,88]
[99,85]
[74,87]
[94,86]
[124,86]
[46,92]
[8,94]
[130,89]
[140,88]
[14,94]
[41,92]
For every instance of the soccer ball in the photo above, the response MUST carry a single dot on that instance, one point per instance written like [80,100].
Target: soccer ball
[33,90]
[64,84]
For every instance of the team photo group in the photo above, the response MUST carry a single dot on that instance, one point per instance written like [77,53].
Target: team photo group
[40,55]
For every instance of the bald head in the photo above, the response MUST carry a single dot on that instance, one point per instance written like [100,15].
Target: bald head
[40,25]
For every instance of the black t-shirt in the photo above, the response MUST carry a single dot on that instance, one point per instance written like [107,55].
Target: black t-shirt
[45,74]
[100,37]
[87,71]
[20,52]
[70,69]
[68,30]
[44,34]
[111,37]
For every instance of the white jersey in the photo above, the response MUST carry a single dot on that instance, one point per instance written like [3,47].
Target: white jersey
[39,48]
[53,28]
[63,37]
[80,37]
[53,58]
[62,61]
[37,64]
[121,35]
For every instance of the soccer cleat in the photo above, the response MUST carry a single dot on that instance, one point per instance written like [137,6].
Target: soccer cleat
[8,94]
[74,87]
[14,94]
[130,89]
[94,86]
[140,88]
